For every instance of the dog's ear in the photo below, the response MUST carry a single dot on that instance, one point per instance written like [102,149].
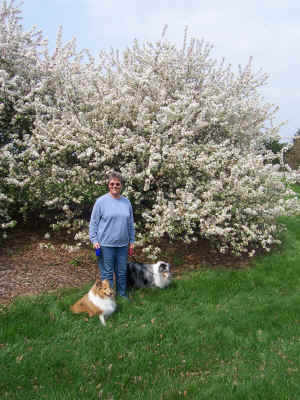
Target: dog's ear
[98,281]
[163,267]
[105,283]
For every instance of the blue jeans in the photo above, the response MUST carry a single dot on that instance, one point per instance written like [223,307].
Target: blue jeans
[114,260]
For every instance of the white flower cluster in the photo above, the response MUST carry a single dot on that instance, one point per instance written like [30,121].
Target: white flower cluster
[185,132]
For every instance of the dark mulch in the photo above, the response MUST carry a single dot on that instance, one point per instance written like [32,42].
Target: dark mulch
[26,268]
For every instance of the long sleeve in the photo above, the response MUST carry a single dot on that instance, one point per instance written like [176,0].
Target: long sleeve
[112,222]
[94,222]
[131,226]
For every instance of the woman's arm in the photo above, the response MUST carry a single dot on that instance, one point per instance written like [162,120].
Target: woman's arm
[94,223]
[131,227]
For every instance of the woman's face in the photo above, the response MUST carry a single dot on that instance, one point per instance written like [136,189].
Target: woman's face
[115,187]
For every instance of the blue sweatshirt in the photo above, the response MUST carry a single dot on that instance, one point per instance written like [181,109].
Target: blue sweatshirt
[112,222]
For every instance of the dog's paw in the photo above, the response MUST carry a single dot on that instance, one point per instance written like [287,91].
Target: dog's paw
[102,319]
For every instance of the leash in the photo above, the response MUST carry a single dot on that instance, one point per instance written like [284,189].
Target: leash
[134,259]
[97,273]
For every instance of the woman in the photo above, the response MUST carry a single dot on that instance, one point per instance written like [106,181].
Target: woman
[112,229]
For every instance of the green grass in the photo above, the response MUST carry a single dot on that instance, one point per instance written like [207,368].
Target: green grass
[215,334]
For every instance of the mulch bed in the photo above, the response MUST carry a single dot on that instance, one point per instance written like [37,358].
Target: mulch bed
[31,264]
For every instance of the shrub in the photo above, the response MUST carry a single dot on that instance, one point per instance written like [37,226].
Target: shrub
[186,132]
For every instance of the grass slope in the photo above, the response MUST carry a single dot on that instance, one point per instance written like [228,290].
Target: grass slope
[215,334]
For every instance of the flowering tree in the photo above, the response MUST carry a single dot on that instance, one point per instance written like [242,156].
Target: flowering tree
[19,74]
[186,132]
[20,71]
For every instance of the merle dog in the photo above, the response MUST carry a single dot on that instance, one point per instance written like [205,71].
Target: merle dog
[140,275]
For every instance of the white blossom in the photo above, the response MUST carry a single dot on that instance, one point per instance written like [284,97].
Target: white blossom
[186,133]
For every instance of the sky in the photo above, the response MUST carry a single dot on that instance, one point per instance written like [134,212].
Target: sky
[267,30]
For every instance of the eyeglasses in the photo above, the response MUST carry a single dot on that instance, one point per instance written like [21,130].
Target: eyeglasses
[115,184]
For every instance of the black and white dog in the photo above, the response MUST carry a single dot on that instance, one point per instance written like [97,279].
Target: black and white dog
[140,275]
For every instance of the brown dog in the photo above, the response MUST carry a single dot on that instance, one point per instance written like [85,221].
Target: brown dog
[98,301]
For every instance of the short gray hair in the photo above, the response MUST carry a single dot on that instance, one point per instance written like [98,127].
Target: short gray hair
[115,175]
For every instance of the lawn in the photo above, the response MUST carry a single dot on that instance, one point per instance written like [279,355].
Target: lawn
[213,334]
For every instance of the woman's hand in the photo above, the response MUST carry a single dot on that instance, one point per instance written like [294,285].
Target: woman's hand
[96,245]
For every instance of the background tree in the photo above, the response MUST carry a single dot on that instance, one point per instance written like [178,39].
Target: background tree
[185,131]
[297,133]
[19,74]
[276,147]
